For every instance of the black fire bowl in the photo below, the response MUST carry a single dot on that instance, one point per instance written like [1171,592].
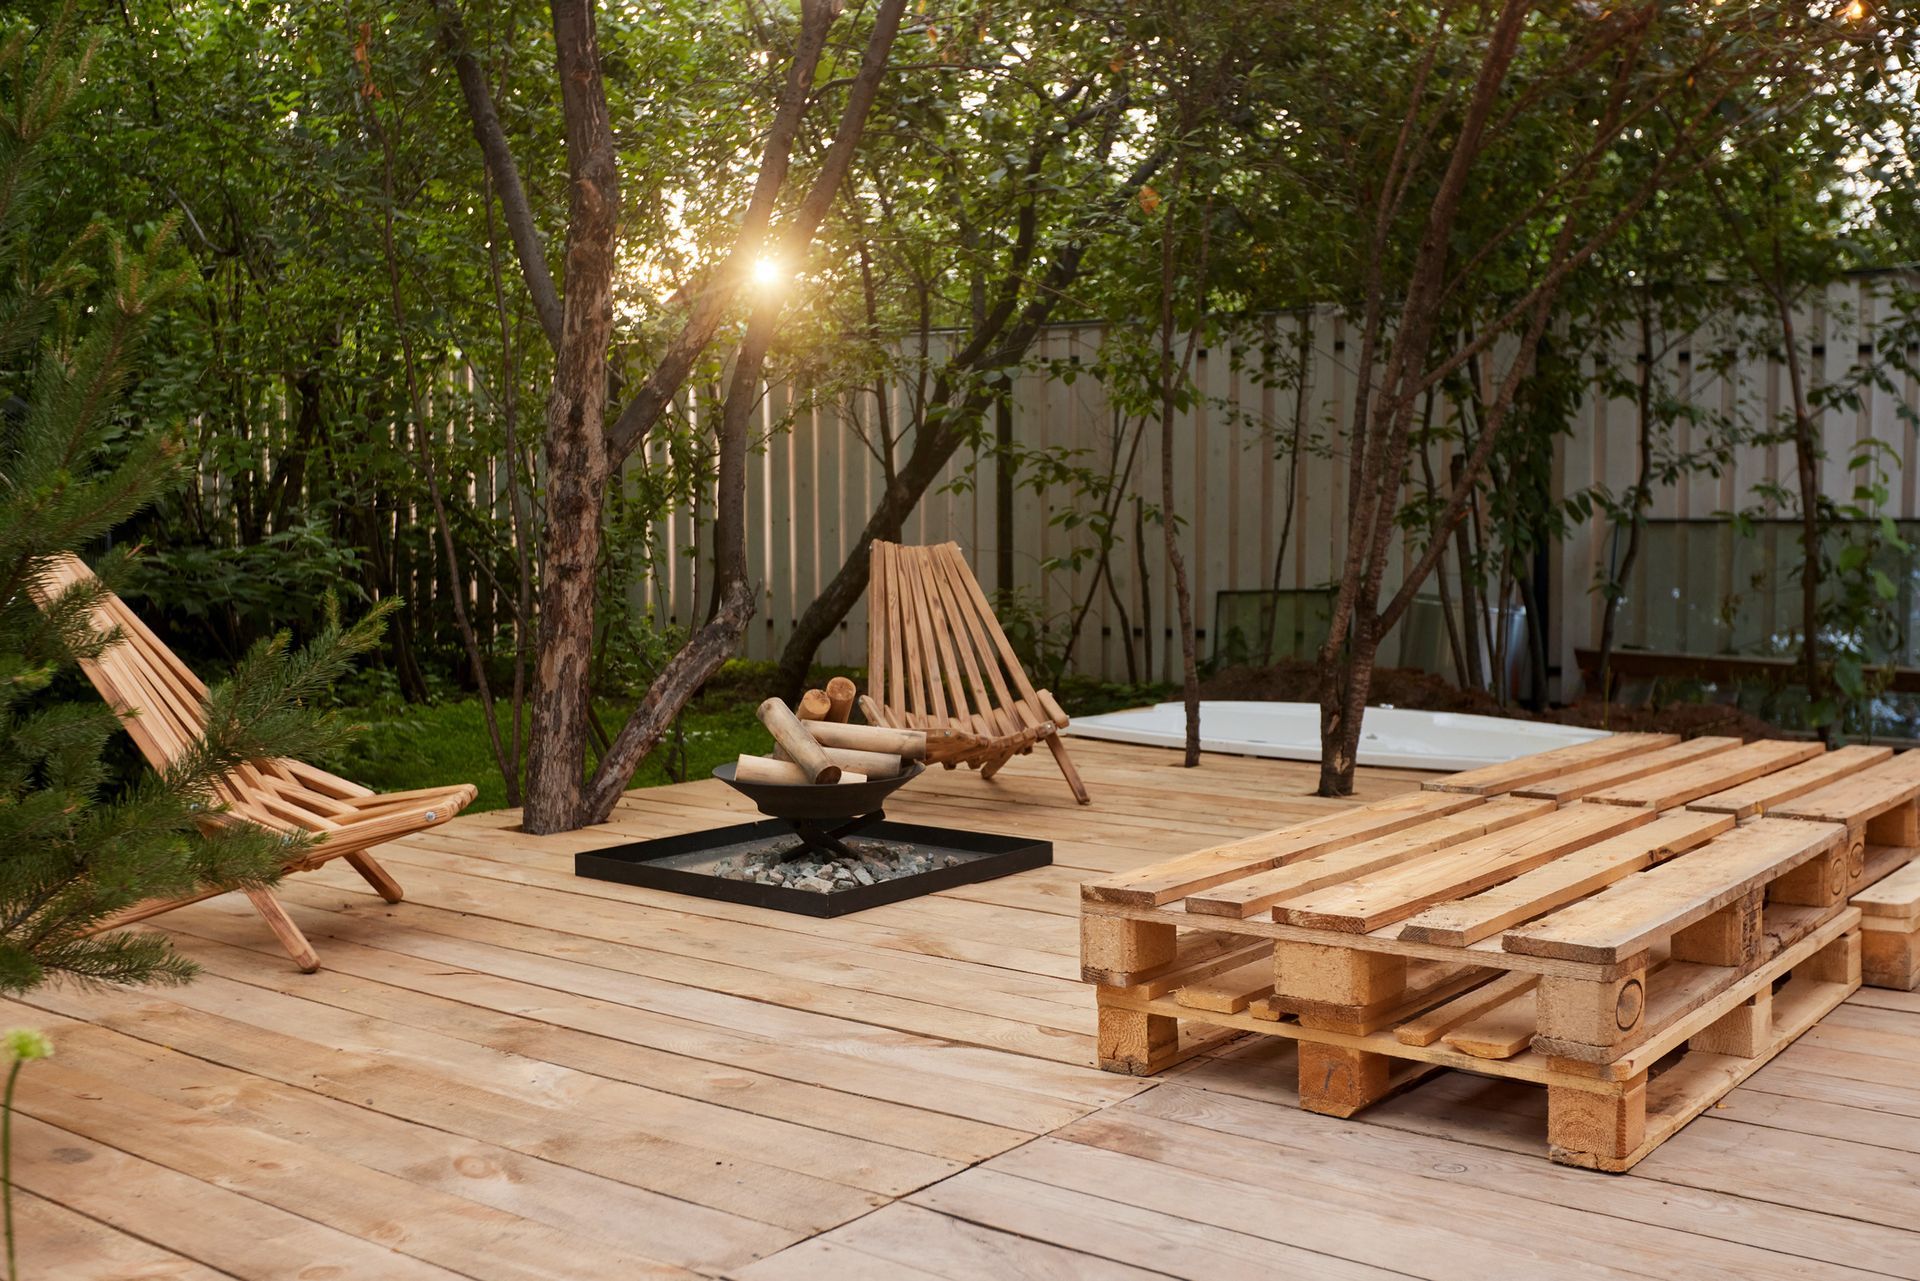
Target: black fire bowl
[671,862]
[817,801]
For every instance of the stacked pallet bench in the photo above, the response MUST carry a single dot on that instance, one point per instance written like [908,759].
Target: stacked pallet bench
[1636,923]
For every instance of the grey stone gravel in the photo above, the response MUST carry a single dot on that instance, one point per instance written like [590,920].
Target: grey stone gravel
[878,861]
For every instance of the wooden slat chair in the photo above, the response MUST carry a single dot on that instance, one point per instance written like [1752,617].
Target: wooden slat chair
[937,657]
[162,704]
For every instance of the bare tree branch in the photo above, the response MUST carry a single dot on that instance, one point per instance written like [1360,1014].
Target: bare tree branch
[501,168]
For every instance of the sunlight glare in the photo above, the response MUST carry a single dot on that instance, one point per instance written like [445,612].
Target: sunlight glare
[767,273]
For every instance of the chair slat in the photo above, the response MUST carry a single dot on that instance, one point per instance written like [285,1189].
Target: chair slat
[993,628]
[944,635]
[972,601]
[974,658]
[877,631]
[920,692]
[896,633]
[929,636]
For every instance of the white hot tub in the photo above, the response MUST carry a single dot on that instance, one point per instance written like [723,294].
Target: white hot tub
[1389,736]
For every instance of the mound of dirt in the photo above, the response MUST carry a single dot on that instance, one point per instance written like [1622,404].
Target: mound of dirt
[1689,720]
[1294,681]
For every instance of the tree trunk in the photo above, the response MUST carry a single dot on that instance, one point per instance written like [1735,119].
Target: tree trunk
[1303,351]
[1637,519]
[838,598]
[1143,576]
[576,451]
[999,341]
[581,450]
[1472,611]
[1530,600]
[1182,592]
[1170,375]
[1346,680]
[1806,461]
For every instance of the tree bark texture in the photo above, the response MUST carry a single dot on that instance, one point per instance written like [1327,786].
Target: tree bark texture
[576,451]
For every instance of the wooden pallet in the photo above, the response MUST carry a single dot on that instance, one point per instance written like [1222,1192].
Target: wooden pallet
[1636,940]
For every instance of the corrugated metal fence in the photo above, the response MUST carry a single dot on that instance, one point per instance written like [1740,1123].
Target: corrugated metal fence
[812,487]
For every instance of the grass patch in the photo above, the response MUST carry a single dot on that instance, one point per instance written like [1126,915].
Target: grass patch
[407,745]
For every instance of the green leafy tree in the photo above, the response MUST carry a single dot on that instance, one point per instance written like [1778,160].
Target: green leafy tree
[77,845]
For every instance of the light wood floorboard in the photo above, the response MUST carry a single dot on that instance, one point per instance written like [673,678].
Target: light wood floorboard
[519,1074]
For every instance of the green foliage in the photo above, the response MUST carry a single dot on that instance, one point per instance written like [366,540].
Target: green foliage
[404,745]
[76,846]
[1861,634]
[1004,143]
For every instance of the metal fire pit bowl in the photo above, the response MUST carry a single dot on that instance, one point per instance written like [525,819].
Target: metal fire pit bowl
[822,813]
[820,802]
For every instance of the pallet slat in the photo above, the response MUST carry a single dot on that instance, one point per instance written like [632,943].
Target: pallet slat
[1204,869]
[1492,780]
[1764,794]
[1714,774]
[1573,786]
[1573,876]
[1369,902]
[1256,893]
[1863,796]
[1625,919]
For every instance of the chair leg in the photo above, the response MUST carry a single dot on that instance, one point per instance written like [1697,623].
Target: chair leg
[377,876]
[285,930]
[992,767]
[1059,750]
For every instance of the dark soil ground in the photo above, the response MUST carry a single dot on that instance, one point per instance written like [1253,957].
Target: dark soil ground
[1298,682]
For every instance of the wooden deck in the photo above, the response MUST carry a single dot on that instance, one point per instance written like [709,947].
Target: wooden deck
[520,1074]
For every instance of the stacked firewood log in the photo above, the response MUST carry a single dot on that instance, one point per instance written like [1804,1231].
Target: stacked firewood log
[815,743]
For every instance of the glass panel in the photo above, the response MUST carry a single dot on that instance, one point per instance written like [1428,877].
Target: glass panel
[1263,627]
[1699,587]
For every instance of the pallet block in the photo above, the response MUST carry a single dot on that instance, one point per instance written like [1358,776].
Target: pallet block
[1890,929]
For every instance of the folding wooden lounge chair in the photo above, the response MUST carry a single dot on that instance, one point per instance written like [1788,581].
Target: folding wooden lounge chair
[161,702]
[937,658]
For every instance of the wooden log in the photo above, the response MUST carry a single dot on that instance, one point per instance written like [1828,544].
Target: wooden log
[800,746]
[871,764]
[815,705]
[770,769]
[840,696]
[908,743]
